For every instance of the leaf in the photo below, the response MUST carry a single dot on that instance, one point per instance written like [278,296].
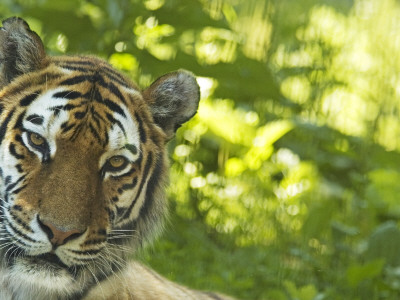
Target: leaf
[307,292]
[384,243]
[318,219]
[358,273]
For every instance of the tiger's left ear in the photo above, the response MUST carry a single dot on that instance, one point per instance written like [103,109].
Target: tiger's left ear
[174,99]
[21,50]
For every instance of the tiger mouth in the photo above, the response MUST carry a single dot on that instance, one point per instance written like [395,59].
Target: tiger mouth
[50,259]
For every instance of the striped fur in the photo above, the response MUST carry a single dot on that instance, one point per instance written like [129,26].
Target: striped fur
[83,168]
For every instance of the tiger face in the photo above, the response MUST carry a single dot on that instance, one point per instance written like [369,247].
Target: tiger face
[82,165]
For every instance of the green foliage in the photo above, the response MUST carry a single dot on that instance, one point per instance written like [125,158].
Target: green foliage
[285,184]
[359,273]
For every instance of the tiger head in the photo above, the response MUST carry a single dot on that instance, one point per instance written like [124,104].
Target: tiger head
[82,163]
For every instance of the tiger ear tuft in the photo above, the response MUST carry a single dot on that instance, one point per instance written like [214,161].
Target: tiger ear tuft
[21,50]
[174,99]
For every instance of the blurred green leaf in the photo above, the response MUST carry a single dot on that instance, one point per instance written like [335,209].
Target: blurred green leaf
[358,273]
[308,292]
[384,243]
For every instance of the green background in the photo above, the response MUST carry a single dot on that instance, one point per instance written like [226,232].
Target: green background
[286,184]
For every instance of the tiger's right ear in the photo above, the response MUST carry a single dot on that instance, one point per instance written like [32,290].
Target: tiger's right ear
[21,50]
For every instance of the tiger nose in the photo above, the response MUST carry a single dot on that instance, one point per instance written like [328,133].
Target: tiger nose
[58,236]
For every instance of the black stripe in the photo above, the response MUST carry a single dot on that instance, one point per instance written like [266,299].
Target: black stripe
[78,129]
[3,127]
[94,94]
[19,168]
[115,121]
[79,115]
[146,171]
[139,160]
[118,79]
[67,127]
[46,77]
[21,234]
[152,185]
[115,76]
[15,192]
[16,244]
[96,78]
[10,186]
[29,99]
[102,232]
[110,70]
[94,242]
[17,207]
[120,212]
[35,119]
[8,179]
[67,95]
[129,173]
[111,214]
[14,153]
[96,117]
[142,132]
[74,80]
[132,148]
[66,107]
[114,89]
[84,62]
[114,107]
[87,252]
[95,133]
[18,124]
[72,68]
[129,186]
[20,222]
[18,138]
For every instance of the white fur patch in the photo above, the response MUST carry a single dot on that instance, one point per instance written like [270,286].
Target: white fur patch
[28,280]
[45,106]
[118,139]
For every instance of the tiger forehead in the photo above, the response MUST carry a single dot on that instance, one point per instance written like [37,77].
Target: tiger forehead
[71,112]
[95,70]
[85,97]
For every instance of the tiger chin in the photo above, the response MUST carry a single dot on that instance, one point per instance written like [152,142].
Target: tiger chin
[83,168]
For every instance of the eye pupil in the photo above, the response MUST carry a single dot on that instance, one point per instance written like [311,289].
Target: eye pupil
[117,162]
[36,139]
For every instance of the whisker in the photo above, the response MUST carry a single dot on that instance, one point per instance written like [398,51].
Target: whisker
[122,236]
[94,276]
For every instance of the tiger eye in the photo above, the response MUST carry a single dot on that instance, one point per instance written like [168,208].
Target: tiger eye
[36,139]
[117,162]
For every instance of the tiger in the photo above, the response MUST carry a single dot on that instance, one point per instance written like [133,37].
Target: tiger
[83,173]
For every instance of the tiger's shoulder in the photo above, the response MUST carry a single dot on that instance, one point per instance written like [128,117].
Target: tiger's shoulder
[138,281]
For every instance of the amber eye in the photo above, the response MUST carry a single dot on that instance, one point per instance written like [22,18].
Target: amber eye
[36,140]
[117,163]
